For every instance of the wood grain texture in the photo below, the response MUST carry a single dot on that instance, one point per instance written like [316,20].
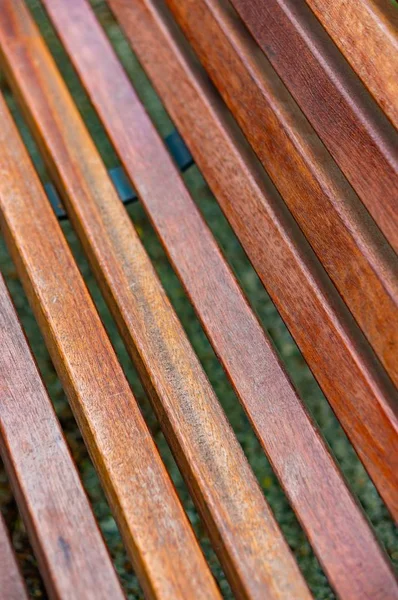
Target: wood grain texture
[362,396]
[12,586]
[244,532]
[331,518]
[366,31]
[353,128]
[72,557]
[144,502]
[354,253]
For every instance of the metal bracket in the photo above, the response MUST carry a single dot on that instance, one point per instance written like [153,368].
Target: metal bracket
[177,149]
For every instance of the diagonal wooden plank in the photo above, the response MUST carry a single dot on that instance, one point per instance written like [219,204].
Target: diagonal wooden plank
[244,532]
[371,405]
[366,31]
[323,503]
[353,128]
[12,586]
[151,519]
[331,342]
[64,534]
[356,256]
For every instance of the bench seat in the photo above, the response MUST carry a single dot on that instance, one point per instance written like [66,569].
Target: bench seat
[296,141]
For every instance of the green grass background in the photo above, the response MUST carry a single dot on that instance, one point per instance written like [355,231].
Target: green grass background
[260,301]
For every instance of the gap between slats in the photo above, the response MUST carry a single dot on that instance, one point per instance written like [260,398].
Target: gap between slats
[12,586]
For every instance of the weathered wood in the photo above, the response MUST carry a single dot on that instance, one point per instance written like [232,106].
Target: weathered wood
[244,532]
[12,586]
[361,395]
[366,31]
[354,253]
[354,129]
[151,519]
[194,424]
[50,496]
[323,504]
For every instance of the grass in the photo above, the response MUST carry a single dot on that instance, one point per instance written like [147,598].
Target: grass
[261,303]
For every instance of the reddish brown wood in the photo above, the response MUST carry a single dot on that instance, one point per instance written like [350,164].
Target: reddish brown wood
[245,534]
[326,509]
[155,528]
[354,253]
[363,398]
[358,135]
[12,586]
[50,496]
[366,31]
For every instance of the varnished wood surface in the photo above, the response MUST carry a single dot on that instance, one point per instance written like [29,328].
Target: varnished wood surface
[362,396]
[72,557]
[354,253]
[358,135]
[249,543]
[331,518]
[12,586]
[150,517]
[366,31]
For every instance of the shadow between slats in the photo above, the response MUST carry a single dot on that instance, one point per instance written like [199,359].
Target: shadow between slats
[12,585]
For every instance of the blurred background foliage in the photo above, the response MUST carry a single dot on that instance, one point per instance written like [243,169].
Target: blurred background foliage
[260,301]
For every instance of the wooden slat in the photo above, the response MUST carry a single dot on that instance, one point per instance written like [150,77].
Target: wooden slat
[356,256]
[12,586]
[328,513]
[362,396]
[366,31]
[354,129]
[64,534]
[244,532]
[155,528]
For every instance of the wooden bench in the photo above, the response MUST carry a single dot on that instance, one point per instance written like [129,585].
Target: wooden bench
[289,131]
